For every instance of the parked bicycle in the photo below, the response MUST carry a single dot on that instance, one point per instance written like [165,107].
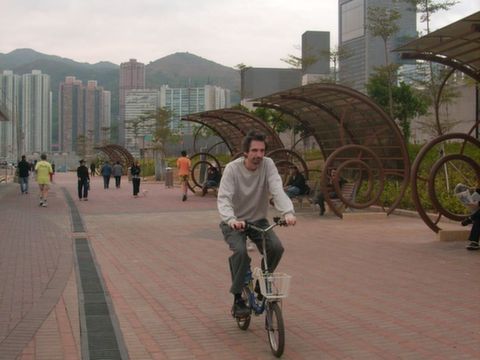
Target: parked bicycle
[263,292]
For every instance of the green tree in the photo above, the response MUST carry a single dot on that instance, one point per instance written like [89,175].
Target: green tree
[433,83]
[407,102]
[382,22]
[158,121]
[136,125]
[81,145]
[297,62]
[335,55]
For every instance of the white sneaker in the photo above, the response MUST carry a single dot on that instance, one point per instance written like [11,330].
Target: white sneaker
[44,204]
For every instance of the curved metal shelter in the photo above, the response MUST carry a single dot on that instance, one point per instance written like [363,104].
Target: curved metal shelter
[232,125]
[352,131]
[117,153]
[456,45]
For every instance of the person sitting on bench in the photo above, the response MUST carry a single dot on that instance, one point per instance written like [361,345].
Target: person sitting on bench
[213,179]
[296,184]
[320,197]
[471,199]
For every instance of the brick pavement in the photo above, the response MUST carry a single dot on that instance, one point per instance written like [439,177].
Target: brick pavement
[378,289]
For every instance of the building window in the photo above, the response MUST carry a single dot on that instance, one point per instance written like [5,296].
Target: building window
[353,25]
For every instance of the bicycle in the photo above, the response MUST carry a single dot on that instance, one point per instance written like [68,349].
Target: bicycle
[267,296]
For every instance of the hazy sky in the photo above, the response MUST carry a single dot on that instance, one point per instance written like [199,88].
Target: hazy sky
[254,32]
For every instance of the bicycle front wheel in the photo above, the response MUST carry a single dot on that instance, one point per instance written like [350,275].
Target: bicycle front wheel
[275,328]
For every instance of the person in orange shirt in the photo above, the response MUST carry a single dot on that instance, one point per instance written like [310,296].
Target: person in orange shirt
[183,166]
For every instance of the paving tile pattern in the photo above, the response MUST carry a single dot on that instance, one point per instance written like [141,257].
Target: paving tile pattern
[382,288]
[35,263]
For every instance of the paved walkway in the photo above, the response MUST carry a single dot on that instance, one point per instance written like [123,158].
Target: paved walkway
[378,289]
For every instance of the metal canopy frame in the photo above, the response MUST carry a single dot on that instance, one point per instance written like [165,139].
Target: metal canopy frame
[232,125]
[117,153]
[456,45]
[351,130]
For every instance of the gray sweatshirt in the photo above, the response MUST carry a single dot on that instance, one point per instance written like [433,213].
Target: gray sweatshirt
[244,194]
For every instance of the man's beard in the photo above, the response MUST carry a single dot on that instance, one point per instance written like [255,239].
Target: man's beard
[257,160]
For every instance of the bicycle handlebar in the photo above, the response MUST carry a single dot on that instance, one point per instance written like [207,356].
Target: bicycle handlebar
[277,221]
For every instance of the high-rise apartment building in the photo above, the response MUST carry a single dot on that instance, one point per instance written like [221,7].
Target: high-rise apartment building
[96,123]
[36,112]
[10,98]
[137,103]
[184,101]
[132,76]
[70,113]
[363,52]
[83,113]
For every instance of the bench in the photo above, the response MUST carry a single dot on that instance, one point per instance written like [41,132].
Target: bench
[306,198]
[349,191]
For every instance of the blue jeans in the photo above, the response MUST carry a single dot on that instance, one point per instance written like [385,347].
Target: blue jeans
[24,184]
[292,191]
[239,261]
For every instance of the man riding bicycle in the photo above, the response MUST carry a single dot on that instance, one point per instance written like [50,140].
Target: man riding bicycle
[246,186]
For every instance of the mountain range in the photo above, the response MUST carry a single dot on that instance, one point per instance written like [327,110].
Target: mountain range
[181,69]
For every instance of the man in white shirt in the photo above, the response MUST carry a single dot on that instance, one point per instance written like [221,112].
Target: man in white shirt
[246,186]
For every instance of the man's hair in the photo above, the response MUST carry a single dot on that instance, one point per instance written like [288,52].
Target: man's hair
[184,153]
[252,135]
[43,156]
[23,157]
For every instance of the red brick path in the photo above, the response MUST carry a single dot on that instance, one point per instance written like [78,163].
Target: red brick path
[383,288]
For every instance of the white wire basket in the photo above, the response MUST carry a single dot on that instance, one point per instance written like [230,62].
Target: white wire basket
[274,285]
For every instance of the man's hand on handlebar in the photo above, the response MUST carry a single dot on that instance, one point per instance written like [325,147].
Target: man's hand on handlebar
[290,219]
[237,224]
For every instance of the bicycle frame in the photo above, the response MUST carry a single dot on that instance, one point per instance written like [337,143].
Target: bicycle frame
[272,305]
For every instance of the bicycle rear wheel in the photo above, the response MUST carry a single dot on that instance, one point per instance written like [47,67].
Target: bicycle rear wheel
[244,322]
[275,328]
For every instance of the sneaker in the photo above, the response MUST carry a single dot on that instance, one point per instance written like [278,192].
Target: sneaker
[41,202]
[184,197]
[473,245]
[466,221]
[240,309]
[44,204]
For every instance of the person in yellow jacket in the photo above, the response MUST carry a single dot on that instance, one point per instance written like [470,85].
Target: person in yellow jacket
[43,169]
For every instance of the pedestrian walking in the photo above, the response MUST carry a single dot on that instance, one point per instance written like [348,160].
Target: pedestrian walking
[23,174]
[53,172]
[183,166]
[106,172]
[43,169]
[135,172]
[117,172]
[92,169]
[83,181]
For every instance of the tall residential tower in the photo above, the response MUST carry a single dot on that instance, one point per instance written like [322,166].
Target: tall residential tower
[132,76]
[36,112]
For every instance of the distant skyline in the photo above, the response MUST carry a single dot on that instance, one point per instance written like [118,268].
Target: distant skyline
[229,32]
